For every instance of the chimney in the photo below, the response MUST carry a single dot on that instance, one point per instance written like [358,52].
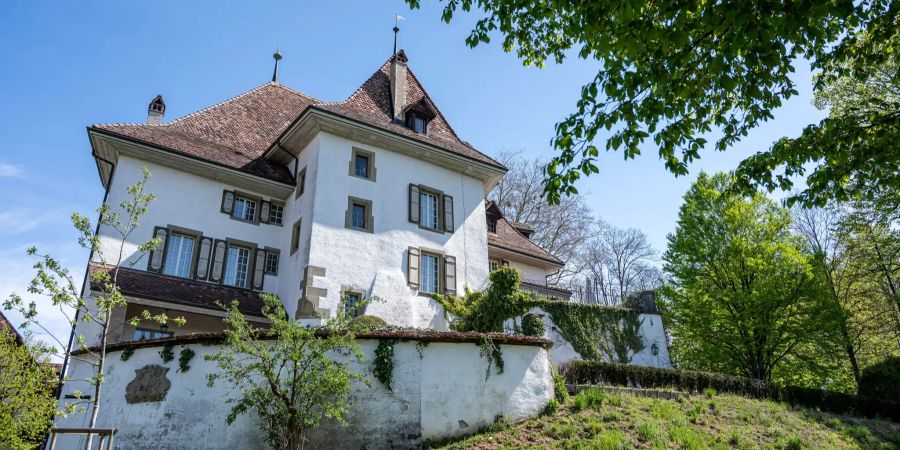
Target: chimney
[398,85]
[155,111]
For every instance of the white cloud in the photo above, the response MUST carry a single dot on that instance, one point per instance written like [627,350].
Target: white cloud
[9,170]
[20,220]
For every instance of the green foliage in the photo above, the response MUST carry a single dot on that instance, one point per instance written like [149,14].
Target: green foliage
[597,372]
[741,298]
[560,392]
[166,353]
[533,325]
[881,380]
[126,353]
[184,359]
[552,406]
[361,324]
[485,311]
[596,332]
[592,398]
[292,376]
[27,400]
[673,72]
[491,351]
[383,365]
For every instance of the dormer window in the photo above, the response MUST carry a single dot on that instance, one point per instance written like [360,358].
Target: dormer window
[417,123]
[492,225]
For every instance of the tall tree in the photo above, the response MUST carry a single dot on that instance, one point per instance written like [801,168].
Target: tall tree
[739,295]
[673,72]
[27,387]
[618,263]
[561,229]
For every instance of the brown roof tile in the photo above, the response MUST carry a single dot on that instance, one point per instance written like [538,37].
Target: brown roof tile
[164,288]
[509,238]
[237,132]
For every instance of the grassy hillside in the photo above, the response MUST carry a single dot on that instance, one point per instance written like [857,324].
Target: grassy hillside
[597,420]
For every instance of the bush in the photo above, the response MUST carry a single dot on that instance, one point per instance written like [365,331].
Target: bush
[881,380]
[589,399]
[366,323]
[596,372]
[560,391]
[532,325]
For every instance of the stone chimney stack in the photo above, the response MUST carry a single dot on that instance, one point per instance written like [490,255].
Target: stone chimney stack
[156,111]
[398,85]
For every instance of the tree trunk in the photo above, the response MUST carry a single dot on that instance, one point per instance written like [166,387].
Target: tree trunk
[95,408]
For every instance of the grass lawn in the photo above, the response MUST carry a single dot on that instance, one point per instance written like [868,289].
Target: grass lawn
[597,420]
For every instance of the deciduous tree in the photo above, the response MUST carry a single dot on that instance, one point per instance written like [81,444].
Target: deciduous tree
[27,393]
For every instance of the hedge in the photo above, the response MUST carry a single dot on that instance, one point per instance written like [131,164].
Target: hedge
[595,372]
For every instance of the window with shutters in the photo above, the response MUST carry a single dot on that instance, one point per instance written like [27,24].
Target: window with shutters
[431,209]
[295,237]
[276,213]
[179,255]
[272,262]
[362,164]
[237,266]
[429,272]
[244,209]
[141,334]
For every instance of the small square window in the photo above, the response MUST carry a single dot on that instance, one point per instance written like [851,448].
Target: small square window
[272,263]
[276,214]
[494,264]
[244,209]
[361,165]
[358,218]
[352,301]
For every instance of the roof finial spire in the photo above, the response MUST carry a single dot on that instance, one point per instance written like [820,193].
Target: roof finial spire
[277,57]
[397,19]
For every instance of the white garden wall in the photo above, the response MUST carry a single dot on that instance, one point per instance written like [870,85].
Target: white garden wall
[441,393]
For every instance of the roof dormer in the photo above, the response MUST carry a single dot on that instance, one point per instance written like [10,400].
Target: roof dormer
[418,115]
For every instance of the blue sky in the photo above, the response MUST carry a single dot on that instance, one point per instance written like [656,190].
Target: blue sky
[71,64]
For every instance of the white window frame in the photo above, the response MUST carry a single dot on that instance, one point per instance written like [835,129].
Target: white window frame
[249,204]
[179,261]
[276,210]
[425,213]
[233,265]
[424,271]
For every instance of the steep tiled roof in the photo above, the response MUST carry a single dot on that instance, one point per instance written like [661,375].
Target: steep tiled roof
[237,132]
[507,237]
[151,286]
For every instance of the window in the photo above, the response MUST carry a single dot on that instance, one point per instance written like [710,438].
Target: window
[141,334]
[301,182]
[428,282]
[276,213]
[359,215]
[272,262]
[244,209]
[352,301]
[428,210]
[179,254]
[417,123]
[358,219]
[362,164]
[492,225]
[237,266]
[494,264]
[295,237]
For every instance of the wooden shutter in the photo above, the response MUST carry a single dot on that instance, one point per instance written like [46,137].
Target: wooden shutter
[157,255]
[413,203]
[259,269]
[202,269]
[448,213]
[264,211]
[217,267]
[412,273]
[450,275]
[227,202]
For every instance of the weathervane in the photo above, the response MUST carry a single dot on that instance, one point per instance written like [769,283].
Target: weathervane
[397,19]
[277,57]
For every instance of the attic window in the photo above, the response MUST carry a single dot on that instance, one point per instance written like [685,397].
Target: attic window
[417,122]
[492,225]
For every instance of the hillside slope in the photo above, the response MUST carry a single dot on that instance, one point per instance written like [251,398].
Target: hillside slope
[597,420]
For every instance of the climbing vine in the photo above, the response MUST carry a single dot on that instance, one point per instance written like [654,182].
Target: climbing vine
[420,347]
[126,353]
[490,350]
[184,358]
[166,353]
[384,362]
[532,325]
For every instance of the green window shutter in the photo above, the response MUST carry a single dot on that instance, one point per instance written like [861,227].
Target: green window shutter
[413,203]
[158,254]
[450,275]
[227,202]
[448,213]
[217,268]
[264,211]
[412,273]
[203,254]
[259,267]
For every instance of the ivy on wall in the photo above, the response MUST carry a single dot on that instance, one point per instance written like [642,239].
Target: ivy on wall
[166,354]
[184,358]
[384,362]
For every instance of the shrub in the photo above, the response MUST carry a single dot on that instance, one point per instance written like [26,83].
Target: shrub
[596,372]
[589,399]
[881,380]
[551,407]
[366,323]
[560,392]
[532,325]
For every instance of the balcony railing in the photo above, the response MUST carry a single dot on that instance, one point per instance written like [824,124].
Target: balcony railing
[542,289]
